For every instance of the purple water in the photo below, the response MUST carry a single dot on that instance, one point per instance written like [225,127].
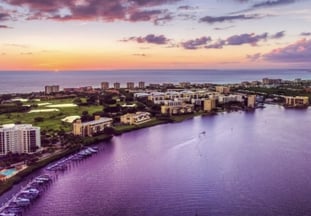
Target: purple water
[25,82]
[245,164]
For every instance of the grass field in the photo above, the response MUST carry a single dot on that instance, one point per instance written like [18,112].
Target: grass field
[52,120]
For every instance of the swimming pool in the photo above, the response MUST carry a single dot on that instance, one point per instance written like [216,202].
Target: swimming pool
[8,172]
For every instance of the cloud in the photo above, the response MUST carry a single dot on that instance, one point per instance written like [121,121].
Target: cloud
[220,19]
[247,38]
[4,16]
[252,39]
[278,35]
[23,46]
[272,3]
[140,54]
[104,10]
[254,57]
[298,52]
[26,53]
[217,45]
[187,7]
[305,34]
[150,38]
[196,43]
[5,27]
[224,28]
[264,4]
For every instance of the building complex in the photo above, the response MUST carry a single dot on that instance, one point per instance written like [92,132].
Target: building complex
[19,138]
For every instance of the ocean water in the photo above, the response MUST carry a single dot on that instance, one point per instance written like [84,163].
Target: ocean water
[24,82]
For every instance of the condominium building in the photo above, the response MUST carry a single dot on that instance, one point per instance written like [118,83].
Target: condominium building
[176,107]
[298,101]
[116,85]
[209,105]
[20,138]
[141,85]
[104,85]
[130,85]
[92,127]
[251,101]
[135,118]
[51,89]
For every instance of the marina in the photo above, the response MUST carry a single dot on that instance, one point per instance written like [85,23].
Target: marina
[27,195]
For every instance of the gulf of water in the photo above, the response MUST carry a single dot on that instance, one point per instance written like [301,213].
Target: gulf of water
[246,164]
[24,82]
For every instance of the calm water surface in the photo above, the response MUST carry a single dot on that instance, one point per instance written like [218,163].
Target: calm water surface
[246,164]
[25,81]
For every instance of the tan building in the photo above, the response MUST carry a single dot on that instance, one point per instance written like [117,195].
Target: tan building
[130,85]
[141,85]
[176,108]
[104,85]
[92,127]
[251,101]
[135,118]
[116,85]
[209,105]
[298,101]
[223,89]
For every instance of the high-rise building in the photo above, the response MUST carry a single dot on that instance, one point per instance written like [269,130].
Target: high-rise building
[209,105]
[130,85]
[116,85]
[141,85]
[51,89]
[104,85]
[21,138]
[251,101]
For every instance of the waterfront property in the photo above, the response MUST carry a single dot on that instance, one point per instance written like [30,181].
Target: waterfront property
[251,101]
[176,107]
[135,118]
[92,127]
[22,138]
[209,105]
[296,101]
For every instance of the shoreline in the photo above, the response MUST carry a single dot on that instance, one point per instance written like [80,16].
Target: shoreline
[18,177]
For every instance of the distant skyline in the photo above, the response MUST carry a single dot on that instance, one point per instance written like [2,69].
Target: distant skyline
[57,35]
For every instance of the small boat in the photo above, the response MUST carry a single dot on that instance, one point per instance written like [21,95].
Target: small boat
[203,132]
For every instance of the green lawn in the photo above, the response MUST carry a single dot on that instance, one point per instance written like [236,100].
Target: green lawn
[52,120]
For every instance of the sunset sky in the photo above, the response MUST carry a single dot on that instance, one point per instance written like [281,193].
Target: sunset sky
[56,35]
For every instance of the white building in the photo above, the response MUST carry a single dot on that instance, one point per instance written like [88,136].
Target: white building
[21,138]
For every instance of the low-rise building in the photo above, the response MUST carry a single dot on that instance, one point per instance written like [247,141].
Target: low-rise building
[176,107]
[20,138]
[92,127]
[157,97]
[135,118]
[297,101]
